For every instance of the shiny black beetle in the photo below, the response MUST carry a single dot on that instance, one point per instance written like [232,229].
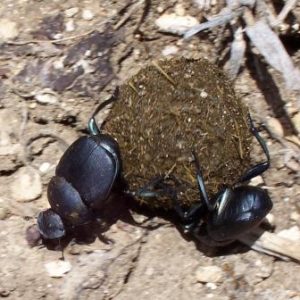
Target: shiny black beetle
[232,212]
[84,178]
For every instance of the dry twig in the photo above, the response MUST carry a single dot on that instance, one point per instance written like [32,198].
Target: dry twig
[272,244]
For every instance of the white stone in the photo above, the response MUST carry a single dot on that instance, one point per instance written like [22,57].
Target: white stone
[275,126]
[44,167]
[203,94]
[212,274]
[71,12]
[270,218]
[211,285]
[87,15]
[169,50]
[70,26]
[58,268]
[26,185]
[44,97]
[205,4]
[8,30]
[292,233]
[256,181]
[173,23]
[296,27]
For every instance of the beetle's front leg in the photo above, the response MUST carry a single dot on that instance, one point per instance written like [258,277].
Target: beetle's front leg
[190,218]
[153,189]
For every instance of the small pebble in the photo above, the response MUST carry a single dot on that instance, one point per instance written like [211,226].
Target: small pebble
[275,126]
[44,167]
[283,27]
[58,64]
[32,105]
[212,274]
[8,30]
[46,98]
[169,50]
[296,27]
[58,268]
[256,181]
[270,218]
[290,108]
[26,185]
[292,233]
[203,94]
[160,9]
[71,12]
[211,285]
[205,4]
[264,270]
[173,23]
[70,26]
[87,15]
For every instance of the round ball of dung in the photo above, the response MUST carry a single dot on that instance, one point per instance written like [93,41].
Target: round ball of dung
[169,110]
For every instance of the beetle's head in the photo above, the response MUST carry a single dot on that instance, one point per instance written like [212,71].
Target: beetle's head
[50,225]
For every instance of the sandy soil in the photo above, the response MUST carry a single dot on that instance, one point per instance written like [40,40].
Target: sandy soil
[50,89]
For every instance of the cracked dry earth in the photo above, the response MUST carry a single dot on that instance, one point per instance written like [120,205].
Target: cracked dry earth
[50,89]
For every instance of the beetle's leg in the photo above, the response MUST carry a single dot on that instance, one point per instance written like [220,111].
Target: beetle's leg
[93,127]
[92,124]
[153,189]
[190,218]
[261,167]
[203,193]
[158,187]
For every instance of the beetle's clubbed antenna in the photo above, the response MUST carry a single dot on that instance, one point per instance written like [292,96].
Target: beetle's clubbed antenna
[93,128]
[260,167]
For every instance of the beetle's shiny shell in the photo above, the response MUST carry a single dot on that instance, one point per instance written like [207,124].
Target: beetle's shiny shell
[171,108]
[245,208]
[84,178]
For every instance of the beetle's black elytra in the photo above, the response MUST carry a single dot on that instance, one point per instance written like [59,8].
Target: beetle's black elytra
[82,183]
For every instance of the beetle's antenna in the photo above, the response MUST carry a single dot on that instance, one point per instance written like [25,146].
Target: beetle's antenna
[92,124]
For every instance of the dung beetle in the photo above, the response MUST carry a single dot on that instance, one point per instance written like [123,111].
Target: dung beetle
[84,178]
[232,212]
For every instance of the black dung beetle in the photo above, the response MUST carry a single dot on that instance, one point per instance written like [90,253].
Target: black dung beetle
[232,212]
[84,178]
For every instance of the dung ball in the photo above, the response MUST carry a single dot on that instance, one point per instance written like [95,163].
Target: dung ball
[170,109]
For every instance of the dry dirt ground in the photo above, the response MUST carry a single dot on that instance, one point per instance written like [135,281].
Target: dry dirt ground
[50,89]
